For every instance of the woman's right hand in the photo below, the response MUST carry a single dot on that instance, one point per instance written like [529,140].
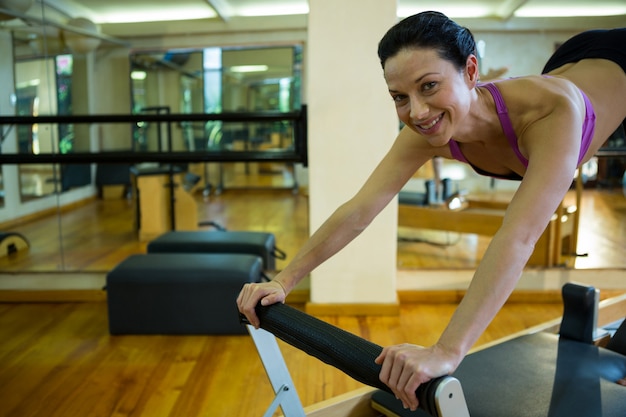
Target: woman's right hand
[267,293]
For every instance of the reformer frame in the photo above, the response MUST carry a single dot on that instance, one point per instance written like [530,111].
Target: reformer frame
[282,320]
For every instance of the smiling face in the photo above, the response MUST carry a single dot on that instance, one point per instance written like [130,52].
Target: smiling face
[432,96]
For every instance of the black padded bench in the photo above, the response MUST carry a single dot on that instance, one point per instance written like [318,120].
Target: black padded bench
[179,293]
[261,244]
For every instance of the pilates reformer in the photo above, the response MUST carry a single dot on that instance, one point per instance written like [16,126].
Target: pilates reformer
[441,397]
[537,374]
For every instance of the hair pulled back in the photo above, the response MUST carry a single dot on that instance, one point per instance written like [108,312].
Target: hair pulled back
[432,30]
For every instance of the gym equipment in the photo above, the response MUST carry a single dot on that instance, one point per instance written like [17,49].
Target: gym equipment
[254,243]
[161,202]
[429,197]
[484,217]
[178,293]
[11,242]
[534,376]
[440,397]
[462,213]
[540,374]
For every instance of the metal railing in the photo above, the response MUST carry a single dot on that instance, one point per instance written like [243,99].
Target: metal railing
[295,154]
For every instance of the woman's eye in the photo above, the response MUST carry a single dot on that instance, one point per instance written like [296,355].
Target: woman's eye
[398,98]
[429,86]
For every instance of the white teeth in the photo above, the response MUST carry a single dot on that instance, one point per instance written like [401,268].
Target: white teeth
[431,124]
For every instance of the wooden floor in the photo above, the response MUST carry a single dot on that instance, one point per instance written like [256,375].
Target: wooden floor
[58,359]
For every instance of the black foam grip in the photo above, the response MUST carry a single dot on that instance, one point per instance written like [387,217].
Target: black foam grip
[578,312]
[345,351]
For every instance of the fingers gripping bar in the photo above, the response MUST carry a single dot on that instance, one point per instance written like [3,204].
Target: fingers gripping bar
[352,355]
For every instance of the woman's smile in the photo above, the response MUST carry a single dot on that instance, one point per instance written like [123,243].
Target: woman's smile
[427,127]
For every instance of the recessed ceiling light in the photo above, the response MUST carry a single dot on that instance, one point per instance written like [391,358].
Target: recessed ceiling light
[138,75]
[571,11]
[162,14]
[248,68]
[275,9]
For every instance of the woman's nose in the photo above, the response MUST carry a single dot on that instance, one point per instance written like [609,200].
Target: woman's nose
[419,109]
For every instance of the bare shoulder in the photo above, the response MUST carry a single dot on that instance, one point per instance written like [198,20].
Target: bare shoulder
[547,114]
[532,98]
[537,91]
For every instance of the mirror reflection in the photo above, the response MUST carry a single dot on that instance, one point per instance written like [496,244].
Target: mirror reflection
[48,79]
[34,79]
[50,85]
[219,80]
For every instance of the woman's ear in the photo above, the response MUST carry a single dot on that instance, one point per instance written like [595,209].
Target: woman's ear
[472,72]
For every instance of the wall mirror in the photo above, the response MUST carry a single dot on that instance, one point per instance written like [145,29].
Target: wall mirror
[218,80]
[47,78]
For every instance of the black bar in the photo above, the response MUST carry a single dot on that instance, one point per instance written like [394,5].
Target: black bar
[137,157]
[297,155]
[135,118]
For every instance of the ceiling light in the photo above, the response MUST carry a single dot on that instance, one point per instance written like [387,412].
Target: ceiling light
[138,75]
[162,14]
[571,11]
[249,68]
[275,9]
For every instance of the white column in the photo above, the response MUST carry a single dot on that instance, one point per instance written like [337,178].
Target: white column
[352,124]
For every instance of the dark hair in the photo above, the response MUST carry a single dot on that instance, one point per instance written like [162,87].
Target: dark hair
[429,30]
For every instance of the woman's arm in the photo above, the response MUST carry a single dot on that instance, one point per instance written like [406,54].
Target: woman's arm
[406,155]
[552,144]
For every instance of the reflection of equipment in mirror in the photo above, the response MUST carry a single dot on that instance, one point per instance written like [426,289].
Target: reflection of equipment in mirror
[11,243]
[483,215]
[161,203]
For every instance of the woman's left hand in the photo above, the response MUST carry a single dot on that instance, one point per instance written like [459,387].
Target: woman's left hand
[405,367]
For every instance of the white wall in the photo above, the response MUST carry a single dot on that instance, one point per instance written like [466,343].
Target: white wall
[523,53]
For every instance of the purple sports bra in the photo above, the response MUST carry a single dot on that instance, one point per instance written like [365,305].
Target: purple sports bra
[507,127]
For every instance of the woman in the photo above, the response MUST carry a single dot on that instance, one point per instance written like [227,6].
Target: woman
[538,129]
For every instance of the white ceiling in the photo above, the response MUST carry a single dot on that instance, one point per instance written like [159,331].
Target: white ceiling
[127,19]
[116,11]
